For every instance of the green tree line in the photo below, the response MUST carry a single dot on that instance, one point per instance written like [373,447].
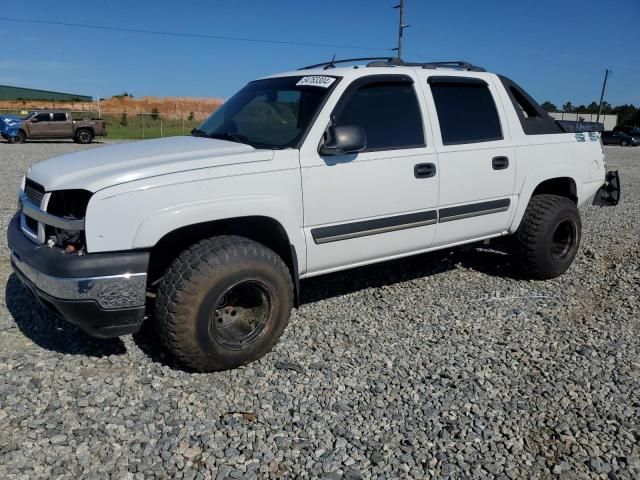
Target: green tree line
[627,114]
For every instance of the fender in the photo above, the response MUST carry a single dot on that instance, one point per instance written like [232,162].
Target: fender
[138,214]
[531,182]
[161,222]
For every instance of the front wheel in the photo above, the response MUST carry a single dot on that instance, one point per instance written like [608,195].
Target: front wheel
[20,137]
[624,143]
[223,303]
[548,237]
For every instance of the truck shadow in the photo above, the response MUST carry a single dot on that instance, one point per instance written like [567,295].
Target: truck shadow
[51,332]
[493,261]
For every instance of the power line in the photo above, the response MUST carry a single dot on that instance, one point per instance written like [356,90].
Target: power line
[188,35]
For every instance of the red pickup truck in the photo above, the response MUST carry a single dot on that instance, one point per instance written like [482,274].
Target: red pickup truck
[59,124]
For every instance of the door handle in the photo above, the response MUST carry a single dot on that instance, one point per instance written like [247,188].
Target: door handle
[500,163]
[424,170]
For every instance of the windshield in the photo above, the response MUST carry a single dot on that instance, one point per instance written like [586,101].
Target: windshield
[270,113]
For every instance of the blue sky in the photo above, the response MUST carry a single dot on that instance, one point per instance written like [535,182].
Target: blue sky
[556,49]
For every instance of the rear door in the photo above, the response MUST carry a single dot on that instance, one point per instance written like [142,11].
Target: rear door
[476,158]
[378,203]
[61,126]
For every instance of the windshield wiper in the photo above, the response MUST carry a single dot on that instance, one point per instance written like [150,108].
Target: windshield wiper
[198,133]
[234,137]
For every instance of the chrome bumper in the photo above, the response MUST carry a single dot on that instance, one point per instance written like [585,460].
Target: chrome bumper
[110,292]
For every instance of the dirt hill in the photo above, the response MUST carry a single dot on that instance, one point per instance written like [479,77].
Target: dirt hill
[168,107]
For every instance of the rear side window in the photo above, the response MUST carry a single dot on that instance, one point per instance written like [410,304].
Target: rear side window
[59,117]
[388,112]
[466,110]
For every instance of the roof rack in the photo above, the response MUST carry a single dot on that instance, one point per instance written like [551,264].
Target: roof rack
[332,63]
[393,62]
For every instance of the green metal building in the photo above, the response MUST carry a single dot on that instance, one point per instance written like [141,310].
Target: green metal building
[17,93]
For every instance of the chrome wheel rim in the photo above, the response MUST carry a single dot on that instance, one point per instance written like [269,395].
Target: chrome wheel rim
[241,314]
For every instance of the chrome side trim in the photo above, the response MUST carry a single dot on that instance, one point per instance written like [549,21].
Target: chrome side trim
[33,211]
[111,292]
[363,228]
[473,214]
[373,231]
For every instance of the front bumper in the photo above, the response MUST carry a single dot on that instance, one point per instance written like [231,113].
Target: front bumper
[102,293]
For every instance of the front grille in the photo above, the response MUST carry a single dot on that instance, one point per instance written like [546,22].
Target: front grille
[34,192]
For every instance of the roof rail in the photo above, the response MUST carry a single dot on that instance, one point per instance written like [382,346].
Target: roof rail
[393,61]
[332,63]
[459,65]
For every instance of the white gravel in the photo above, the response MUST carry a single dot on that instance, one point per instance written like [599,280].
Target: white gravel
[441,365]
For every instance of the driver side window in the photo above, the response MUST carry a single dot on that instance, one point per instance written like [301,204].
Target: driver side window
[388,112]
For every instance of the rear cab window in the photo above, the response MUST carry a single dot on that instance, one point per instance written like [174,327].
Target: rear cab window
[466,110]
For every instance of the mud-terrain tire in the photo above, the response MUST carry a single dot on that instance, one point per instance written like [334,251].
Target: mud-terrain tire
[548,237]
[223,303]
[84,136]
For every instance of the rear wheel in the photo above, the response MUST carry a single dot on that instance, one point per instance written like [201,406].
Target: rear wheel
[84,136]
[223,303]
[548,238]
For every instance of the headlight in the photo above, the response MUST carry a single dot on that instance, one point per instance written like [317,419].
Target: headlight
[68,204]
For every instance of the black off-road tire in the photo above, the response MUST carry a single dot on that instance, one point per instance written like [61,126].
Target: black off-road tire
[191,293]
[84,136]
[548,237]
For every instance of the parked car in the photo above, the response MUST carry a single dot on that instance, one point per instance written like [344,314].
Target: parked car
[9,127]
[629,130]
[300,174]
[619,138]
[51,124]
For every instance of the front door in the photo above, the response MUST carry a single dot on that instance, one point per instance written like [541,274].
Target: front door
[381,202]
[39,125]
[476,158]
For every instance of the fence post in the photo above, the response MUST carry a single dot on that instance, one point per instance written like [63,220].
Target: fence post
[161,134]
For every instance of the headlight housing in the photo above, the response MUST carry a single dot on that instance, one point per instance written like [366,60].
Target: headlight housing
[70,204]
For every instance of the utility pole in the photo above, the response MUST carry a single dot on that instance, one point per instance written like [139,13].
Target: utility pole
[401,27]
[607,72]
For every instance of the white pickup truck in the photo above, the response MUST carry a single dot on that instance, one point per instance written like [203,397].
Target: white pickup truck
[299,174]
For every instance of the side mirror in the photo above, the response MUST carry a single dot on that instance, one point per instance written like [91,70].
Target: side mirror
[34,120]
[344,140]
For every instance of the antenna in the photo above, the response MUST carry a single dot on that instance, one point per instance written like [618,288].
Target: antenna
[401,27]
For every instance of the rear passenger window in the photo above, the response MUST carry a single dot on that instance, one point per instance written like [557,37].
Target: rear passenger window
[388,112]
[466,110]
[59,117]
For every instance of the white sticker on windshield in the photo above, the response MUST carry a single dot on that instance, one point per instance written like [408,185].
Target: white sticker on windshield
[316,81]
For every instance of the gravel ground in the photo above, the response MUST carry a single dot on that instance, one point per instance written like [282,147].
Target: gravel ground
[442,365]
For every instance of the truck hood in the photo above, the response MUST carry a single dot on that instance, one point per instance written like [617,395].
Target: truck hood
[97,168]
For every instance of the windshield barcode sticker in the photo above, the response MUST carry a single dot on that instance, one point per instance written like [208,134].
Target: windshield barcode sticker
[316,81]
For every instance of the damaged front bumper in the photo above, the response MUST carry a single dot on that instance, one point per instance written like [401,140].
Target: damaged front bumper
[102,293]
[609,193]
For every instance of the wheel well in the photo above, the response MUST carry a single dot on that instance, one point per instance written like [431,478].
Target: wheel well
[89,129]
[562,186]
[264,230]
